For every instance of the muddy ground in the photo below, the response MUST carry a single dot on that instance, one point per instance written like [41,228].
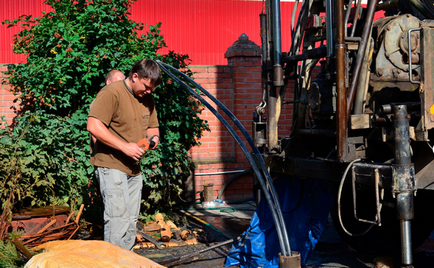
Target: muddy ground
[330,252]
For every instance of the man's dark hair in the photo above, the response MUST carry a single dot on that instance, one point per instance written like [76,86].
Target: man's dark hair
[147,69]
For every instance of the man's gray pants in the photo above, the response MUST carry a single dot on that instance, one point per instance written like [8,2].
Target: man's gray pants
[121,195]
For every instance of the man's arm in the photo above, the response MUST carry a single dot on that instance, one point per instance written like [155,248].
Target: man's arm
[101,133]
[154,132]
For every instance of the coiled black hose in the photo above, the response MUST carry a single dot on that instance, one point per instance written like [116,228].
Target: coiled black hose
[275,209]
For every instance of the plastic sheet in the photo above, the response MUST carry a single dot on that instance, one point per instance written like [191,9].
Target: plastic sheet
[89,254]
[305,207]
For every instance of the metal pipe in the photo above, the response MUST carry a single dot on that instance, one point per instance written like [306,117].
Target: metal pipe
[277,46]
[377,193]
[277,38]
[276,76]
[362,87]
[263,22]
[406,252]
[272,119]
[361,53]
[341,114]
[347,14]
[353,39]
[409,106]
[294,12]
[219,173]
[359,6]
[188,257]
[316,53]
[403,179]
[329,28]
[402,136]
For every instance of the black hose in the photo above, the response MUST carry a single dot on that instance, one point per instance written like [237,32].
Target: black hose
[219,196]
[249,139]
[255,151]
[274,208]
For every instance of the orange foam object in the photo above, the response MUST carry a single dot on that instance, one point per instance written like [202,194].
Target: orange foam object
[89,254]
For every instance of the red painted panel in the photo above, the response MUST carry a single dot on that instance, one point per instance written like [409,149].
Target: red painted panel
[12,9]
[203,29]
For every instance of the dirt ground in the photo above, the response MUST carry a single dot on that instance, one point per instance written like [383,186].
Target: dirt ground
[330,252]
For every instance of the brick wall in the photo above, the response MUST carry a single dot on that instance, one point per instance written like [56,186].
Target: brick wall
[218,150]
[7,106]
[238,85]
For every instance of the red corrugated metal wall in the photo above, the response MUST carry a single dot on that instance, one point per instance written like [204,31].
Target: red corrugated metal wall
[203,29]
[12,9]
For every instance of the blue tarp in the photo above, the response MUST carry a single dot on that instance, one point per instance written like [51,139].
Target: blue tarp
[305,206]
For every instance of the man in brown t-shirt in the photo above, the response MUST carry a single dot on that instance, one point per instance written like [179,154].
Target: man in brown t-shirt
[112,76]
[122,114]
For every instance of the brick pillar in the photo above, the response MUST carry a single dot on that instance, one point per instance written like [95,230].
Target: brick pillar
[244,56]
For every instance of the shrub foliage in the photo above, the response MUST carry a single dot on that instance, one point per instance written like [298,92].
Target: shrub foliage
[44,156]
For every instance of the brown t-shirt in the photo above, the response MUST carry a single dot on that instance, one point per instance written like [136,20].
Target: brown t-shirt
[127,117]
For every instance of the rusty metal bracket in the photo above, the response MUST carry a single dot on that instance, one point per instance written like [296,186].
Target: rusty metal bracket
[427,58]
[379,194]
[410,67]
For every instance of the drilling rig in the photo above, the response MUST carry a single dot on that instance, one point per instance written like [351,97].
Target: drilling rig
[362,97]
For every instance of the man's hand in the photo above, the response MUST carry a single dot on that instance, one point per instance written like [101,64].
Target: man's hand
[133,151]
[154,133]
[156,140]
[100,131]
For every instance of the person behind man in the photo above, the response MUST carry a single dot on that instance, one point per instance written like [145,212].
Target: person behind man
[123,113]
[113,76]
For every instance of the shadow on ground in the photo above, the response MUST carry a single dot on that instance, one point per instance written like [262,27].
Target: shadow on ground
[330,252]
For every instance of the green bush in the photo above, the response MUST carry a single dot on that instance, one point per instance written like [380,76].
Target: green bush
[9,257]
[43,159]
[45,155]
